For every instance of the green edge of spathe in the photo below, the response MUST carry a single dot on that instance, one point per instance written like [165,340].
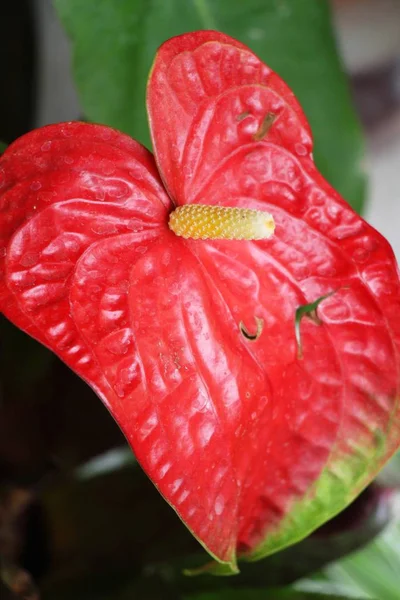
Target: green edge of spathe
[341,481]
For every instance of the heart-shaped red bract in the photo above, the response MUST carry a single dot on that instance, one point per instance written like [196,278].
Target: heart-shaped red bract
[254,442]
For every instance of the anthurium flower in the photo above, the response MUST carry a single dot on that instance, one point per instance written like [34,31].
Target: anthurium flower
[255,379]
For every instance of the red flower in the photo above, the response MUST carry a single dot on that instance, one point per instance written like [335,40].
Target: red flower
[255,424]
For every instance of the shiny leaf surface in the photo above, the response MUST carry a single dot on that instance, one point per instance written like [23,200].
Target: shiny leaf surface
[253,445]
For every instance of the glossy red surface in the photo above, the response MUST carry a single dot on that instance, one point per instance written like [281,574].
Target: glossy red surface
[232,432]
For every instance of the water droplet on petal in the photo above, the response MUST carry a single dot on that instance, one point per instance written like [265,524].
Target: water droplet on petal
[300,149]
[46,146]
[219,505]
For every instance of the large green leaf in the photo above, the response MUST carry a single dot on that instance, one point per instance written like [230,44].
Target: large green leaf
[249,594]
[373,571]
[2,147]
[115,42]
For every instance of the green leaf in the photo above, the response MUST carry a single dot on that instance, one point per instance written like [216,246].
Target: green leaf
[310,311]
[249,594]
[115,43]
[373,571]
[3,146]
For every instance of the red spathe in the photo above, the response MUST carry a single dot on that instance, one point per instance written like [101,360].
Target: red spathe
[232,431]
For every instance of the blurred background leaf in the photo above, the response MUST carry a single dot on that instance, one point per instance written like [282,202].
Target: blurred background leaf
[115,42]
[374,571]
[110,514]
[390,474]
[249,594]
